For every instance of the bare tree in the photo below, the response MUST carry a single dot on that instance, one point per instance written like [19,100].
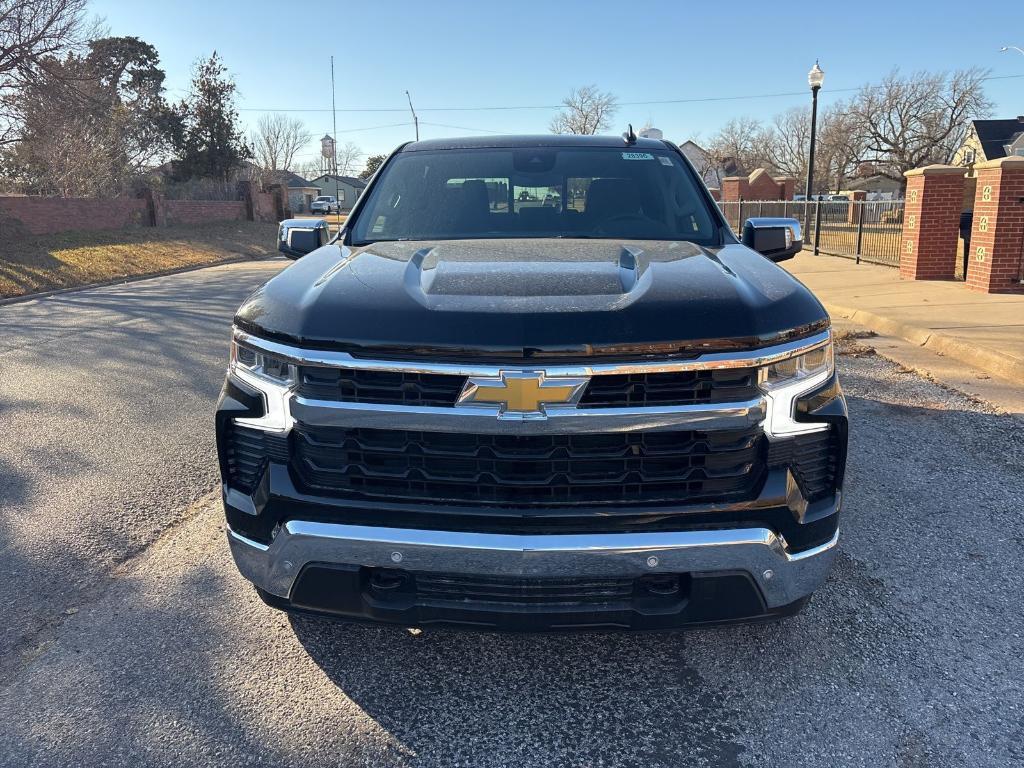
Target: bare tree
[741,146]
[840,146]
[32,32]
[587,111]
[906,123]
[277,140]
[789,140]
[349,158]
[787,145]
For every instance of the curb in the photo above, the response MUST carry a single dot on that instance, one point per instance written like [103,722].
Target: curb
[941,343]
[131,279]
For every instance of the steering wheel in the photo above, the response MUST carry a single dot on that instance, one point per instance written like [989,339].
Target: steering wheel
[619,217]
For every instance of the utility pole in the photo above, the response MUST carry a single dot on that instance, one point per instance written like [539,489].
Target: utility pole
[334,115]
[415,120]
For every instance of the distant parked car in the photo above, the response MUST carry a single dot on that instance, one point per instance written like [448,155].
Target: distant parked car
[325,204]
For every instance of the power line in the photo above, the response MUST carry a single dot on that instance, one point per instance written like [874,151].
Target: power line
[462,128]
[690,100]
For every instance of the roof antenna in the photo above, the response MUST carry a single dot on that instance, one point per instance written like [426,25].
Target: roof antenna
[629,137]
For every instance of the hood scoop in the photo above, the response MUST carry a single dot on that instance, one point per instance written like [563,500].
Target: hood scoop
[429,274]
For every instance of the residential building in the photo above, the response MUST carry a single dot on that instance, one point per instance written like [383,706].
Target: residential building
[346,188]
[876,186]
[991,140]
[300,191]
[712,172]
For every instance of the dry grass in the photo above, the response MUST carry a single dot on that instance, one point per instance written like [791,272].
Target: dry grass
[71,259]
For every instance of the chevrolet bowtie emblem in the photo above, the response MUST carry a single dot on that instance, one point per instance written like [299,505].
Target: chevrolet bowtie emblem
[522,392]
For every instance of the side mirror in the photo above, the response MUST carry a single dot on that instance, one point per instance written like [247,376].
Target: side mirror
[297,237]
[774,238]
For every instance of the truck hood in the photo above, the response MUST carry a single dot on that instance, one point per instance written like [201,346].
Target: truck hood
[525,298]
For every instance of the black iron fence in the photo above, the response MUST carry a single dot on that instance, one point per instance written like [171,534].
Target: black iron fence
[863,230]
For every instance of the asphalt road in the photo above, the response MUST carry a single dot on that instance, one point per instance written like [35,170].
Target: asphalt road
[132,640]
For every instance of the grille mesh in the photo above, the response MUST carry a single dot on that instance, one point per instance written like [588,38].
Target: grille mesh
[385,387]
[517,470]
[675,388]
[456,588]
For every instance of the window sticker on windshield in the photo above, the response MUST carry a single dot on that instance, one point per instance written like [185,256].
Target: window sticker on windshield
[637,156]
[665,160]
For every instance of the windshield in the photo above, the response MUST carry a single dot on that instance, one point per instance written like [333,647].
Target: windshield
[460,194]
[324,200]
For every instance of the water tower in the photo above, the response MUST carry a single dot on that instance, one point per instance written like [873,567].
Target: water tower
[652,133]
[327,152]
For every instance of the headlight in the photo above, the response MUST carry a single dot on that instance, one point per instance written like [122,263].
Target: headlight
[785,381]
[813,364]
[262,364]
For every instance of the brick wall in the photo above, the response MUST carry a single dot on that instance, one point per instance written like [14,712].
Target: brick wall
[997,239]
[203,211]
[758,186]
[931,222]
[47,215]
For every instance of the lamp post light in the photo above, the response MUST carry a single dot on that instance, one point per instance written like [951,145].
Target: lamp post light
[1006,48]
[814,79]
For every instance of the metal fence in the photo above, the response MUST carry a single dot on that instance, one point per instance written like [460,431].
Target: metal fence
[863,230]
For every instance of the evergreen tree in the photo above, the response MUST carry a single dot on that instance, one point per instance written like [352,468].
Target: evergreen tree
[210,142]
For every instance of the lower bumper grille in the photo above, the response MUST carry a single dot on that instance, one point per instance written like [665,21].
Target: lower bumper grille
[444,588]
[813,460]
[518,470]
[248,451]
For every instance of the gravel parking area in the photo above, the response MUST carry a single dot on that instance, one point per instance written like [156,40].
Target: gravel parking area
[910,655]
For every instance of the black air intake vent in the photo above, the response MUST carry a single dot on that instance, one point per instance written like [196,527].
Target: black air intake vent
[248,451]
[811,458]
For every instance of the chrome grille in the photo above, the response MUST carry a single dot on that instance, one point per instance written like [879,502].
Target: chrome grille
[603,391]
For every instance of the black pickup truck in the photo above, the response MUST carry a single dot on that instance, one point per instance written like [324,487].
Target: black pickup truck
[585,406]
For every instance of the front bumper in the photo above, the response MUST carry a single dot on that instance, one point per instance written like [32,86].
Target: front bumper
[718,575]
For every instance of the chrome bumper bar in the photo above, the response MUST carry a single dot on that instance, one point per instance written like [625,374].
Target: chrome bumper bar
[782,577]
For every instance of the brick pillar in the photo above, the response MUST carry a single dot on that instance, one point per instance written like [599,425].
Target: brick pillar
[997,239]
[787,186]
[246,193]
[732,188]
[156,210]
[853,211]
[931,223]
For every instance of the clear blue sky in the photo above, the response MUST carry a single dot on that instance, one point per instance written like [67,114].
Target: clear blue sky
[525,53]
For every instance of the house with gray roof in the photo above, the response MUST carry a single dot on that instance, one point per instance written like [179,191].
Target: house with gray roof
[991,140]
[346,188]
[300,191]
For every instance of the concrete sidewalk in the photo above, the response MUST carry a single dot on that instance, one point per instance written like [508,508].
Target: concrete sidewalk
[981,330]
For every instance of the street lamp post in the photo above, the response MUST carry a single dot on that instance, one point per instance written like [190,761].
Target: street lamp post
[814,78]
[1006,48]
